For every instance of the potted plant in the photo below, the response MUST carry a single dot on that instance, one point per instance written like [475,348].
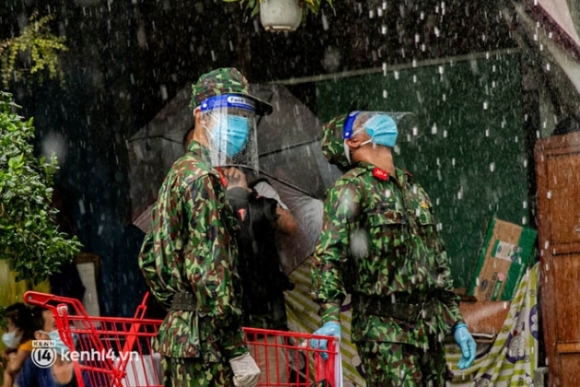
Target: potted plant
[281,15]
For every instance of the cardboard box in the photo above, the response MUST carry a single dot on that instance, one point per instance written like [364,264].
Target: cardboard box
[503,260]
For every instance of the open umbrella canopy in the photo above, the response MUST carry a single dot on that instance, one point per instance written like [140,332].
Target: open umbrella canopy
[290,158]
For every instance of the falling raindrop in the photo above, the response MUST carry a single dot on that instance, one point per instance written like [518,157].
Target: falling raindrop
[492,167]
[325,25]
[434,131]
[486,132]
[396,74]
[453,161]
[445,134]
[549,194]
[485,105]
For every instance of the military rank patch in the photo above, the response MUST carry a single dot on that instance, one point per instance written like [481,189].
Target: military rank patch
[380,174]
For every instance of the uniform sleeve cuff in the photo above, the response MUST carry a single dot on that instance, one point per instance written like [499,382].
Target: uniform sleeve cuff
[330,312]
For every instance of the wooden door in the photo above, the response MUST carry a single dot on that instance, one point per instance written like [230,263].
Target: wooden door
[558,178]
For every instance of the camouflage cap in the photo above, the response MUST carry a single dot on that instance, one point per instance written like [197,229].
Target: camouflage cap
[332,142]
[226,80]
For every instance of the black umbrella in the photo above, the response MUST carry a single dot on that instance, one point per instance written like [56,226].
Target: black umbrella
[290,158]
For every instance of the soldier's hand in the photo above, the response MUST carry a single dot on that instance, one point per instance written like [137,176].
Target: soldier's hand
[331,328]
[236,178]
[468,346]
[246,371]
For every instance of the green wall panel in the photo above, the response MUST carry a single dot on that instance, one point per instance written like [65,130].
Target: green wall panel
[469,152]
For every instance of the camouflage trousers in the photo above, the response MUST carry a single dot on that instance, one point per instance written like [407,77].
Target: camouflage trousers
[192,372]
[395,364]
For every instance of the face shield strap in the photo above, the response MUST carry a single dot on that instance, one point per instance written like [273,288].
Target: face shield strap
[347,132]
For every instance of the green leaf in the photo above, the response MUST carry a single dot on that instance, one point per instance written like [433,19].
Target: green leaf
[29,239]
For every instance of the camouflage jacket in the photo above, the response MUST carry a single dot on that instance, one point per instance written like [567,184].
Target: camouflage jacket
[379,238]
[191,248]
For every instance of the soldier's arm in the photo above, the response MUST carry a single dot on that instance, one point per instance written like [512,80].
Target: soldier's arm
[160,242]
[149,270]
[211,270]
[341,210]
[446,293]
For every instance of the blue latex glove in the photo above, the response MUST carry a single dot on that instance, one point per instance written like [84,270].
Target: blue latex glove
[467,344]
[331,328]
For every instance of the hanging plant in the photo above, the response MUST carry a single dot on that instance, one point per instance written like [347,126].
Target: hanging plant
[253,6]
[42,46]
[29,237]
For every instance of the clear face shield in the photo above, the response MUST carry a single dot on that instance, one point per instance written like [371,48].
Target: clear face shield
[230,125]
[384,128]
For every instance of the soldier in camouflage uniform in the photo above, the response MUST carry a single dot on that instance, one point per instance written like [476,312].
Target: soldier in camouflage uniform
[380,243]
[189,258]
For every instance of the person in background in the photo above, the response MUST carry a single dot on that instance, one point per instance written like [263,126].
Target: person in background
[380,243]
[18,340]
[263,217]
[59,374]
[189,256]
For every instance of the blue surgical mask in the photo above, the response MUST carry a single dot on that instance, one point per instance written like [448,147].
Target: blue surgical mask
[382,129]
[59,346]
[231,133]
[10,339]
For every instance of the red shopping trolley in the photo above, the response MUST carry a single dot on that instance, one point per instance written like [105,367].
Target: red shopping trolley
[117,352]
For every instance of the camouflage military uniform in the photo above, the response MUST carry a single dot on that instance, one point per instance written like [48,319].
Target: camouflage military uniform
[380,243]
[190,248]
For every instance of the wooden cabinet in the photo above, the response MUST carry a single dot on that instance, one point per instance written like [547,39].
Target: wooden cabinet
[558,178]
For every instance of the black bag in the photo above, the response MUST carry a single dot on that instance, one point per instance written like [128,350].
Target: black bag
[263,278]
